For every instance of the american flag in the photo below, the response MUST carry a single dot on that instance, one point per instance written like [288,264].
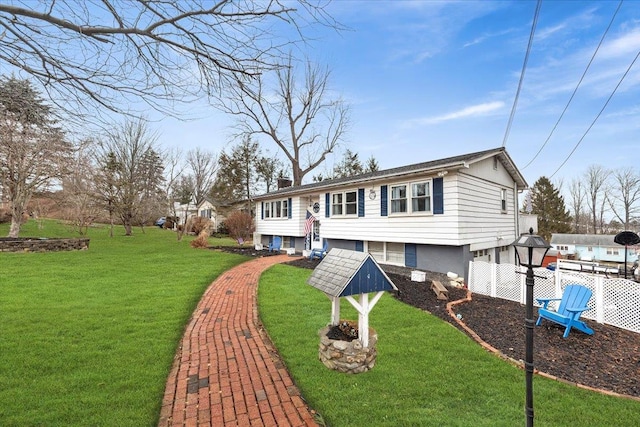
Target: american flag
[308,224]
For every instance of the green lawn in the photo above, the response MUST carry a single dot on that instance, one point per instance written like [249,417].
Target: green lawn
[88,338]
[427,372]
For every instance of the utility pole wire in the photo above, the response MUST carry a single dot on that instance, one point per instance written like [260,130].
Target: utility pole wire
[524,67]
[599,114]
[577,86]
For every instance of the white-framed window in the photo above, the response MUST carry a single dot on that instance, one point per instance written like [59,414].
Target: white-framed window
[395,253]
[344,203]
[411,198]
[336,205]
[503,200]
[589,248]
[421,197]
[276,209]
[613,251]
[387,252]
[351,203]
[205,213]
[399,199]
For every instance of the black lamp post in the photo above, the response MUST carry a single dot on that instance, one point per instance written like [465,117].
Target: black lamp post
[530,250]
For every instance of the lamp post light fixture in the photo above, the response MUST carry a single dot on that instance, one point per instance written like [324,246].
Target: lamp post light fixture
[530,250]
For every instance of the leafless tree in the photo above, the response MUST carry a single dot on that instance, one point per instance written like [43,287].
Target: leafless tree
[596,178]
[33,149]
[577,196]
[625,194]
[304,121]
[201,167]
[133,171]
[173,169]
[128,55]
[78,189]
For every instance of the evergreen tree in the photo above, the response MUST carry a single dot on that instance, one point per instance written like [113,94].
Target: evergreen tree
[371,165]
[349,166]
[548,204]
[33,150]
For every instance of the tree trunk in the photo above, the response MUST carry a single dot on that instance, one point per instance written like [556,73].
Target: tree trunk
[17,209]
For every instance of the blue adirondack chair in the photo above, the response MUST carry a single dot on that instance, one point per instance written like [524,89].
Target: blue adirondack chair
[275,244]
[573,302]
[319,252]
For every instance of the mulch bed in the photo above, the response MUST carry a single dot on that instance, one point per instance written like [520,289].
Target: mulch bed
[608,360]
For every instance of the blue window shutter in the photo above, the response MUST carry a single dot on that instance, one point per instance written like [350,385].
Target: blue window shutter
[262,210]
[359,246]
[410,255]
[292,241]
[289,208]
[383,201]
[438,196]
[326,205]
[360,201]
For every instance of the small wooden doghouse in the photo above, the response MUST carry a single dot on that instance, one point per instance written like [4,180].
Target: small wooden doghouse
[345,273]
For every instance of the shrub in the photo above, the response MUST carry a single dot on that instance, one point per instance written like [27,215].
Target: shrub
[199,224]
[202,241]
[240,225]
[222,228]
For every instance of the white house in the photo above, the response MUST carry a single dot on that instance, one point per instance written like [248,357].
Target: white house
[435,216]
[593,247]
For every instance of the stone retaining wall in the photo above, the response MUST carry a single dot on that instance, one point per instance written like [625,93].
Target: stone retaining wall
[35,244]
[347,356]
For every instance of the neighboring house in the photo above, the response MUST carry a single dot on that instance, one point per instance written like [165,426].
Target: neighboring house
[185,210]
[206,209]
[592,247]
[218,211]
[435,216]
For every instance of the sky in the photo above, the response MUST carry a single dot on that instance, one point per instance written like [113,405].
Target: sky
[427,80]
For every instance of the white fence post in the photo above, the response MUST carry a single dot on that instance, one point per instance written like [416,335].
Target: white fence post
[599,291]
[523,285]
[494,279]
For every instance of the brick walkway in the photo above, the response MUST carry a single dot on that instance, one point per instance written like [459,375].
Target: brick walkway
[227,372]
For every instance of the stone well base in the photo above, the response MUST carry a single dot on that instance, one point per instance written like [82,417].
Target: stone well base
[347,356]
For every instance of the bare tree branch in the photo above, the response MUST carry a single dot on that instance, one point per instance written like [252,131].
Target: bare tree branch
[306,123]
[99,56]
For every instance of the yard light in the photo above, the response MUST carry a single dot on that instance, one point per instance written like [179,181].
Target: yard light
[530,250]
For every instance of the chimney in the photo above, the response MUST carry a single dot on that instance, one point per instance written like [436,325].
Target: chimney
[283,183]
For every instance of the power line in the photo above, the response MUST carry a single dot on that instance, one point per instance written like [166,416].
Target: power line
[599,114]
[524,67]
[577,86]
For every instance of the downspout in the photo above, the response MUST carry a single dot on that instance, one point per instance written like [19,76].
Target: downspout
[517,209]
[516,217]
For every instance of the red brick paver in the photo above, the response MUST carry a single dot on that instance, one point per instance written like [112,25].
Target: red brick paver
[226,372]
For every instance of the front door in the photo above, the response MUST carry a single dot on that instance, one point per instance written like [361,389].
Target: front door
[316,242]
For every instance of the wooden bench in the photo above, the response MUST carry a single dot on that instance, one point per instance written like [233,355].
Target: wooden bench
[440,290]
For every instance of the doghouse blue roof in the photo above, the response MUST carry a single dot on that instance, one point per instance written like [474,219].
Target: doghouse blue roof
[343,272]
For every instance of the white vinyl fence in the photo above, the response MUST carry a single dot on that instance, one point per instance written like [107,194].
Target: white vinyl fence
[615,301]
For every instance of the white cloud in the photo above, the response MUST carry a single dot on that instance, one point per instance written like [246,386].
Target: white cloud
[622,46]
[471,111]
